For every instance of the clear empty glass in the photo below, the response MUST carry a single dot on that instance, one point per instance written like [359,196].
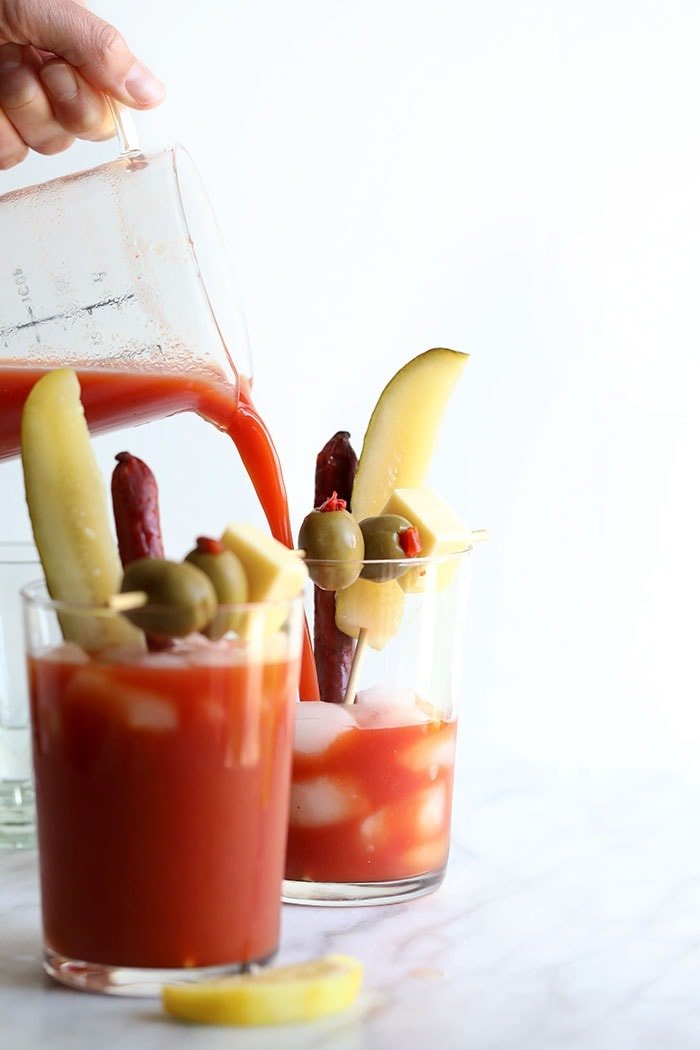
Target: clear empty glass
[19,563]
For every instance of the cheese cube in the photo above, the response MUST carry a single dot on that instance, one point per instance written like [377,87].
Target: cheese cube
[441,532]
[274,573]
[374,607]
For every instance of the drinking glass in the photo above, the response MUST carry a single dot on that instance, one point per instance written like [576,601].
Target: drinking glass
[372,774]
[19,564]
[162,786]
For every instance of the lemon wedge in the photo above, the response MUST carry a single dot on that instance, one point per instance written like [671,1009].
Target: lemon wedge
[277,995]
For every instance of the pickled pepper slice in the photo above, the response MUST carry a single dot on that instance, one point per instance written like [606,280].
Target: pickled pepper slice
[336,464]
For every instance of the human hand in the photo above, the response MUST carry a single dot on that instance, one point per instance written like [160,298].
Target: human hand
[57,62]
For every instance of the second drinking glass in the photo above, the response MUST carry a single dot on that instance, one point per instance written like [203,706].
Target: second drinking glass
[372,776]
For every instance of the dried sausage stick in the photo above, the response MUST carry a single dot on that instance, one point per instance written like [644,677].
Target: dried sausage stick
[336,464]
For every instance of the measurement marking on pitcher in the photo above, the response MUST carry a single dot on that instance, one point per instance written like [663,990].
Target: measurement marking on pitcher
[23,291]
[70,314]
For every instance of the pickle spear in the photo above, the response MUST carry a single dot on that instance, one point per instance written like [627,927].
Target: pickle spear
[403,429]
[396,453]
[67,502]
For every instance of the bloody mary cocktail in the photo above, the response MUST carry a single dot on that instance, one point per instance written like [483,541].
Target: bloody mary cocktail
[162,785]
[372,777]
[371,794]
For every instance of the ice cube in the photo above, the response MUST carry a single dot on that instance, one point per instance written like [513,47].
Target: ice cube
[372,829]
[161,660]
[139,708]
[67,653]
[196,649]
[419,815]
[118,654]
[321,801]
[428,856]
[225,652]
[379,696]
[432,810]
[430,753]
[214,657]
[380,709]
[93,684]
[145,711]
[318,725]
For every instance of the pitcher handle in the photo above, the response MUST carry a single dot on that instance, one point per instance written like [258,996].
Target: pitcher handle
[125,128]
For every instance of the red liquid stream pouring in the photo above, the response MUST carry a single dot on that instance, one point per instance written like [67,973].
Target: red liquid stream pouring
[113,398]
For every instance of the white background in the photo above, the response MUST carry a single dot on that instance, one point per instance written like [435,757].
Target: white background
[519,180]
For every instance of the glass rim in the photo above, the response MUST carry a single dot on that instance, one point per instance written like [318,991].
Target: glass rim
[407,563]
[35,594]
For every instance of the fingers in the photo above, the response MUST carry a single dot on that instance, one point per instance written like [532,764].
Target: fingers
[12,149]
[43,106]
[77,106]
[88,43]
[57,60]
[25,104]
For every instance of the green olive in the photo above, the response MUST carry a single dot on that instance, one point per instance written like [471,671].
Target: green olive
[226,572]
[333,537]
[181,598]
[381,535]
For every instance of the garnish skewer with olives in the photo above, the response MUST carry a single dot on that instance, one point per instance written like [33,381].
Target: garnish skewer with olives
[181,599]
[226,572]
[336,547]
[388,538]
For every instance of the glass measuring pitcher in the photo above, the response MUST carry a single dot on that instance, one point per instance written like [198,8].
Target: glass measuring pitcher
[119,272]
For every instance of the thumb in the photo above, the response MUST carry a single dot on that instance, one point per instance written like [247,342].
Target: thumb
[87,42]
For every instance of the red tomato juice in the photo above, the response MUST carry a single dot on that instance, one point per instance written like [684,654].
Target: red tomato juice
[163,795]
[374,805]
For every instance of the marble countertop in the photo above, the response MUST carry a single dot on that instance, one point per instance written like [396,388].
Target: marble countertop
[570,918]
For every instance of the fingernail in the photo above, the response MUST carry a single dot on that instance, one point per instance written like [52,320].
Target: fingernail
[60,81]
[143,87]
[10,57]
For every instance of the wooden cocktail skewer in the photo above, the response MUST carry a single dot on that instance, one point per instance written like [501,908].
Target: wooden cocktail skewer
[357,658]
[128,600]
[476,536]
